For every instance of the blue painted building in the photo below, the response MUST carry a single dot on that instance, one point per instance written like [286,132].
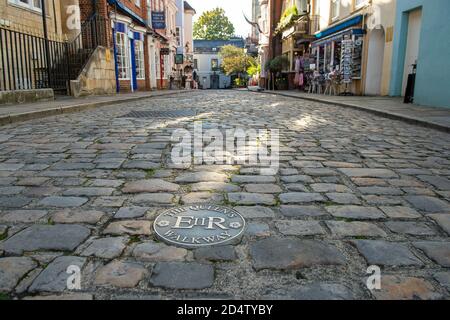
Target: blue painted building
[422,36]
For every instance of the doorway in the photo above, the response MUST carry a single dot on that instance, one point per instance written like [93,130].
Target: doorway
[375,62]
[412,44]
[214,81]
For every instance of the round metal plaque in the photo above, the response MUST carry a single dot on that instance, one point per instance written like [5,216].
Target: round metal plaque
[199,225]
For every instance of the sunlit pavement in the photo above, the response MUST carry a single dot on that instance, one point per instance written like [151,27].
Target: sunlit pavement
[353,190]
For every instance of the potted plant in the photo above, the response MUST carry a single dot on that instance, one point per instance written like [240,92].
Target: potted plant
[275,67]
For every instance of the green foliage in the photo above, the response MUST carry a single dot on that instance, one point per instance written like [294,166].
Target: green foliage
[213,25]
[288,16]
[277,64]
[254,69]
[238,82]
[235,60]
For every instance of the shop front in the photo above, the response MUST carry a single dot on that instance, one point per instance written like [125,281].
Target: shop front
[339,50]
[129,54]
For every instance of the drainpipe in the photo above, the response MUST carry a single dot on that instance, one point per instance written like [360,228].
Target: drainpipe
[47,48]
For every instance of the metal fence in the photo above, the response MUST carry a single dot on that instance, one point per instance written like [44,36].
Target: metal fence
[24,63]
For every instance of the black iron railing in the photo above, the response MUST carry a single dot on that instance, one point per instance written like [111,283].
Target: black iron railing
[23,58]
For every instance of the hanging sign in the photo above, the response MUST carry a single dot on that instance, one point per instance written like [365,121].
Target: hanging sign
[158,20]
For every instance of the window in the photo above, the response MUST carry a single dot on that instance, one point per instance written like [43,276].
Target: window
[30,4]
[137,3]
[178,36]
[195,64]
[335,4]
[214,64]
[139,58]
[360,3]
[123,59]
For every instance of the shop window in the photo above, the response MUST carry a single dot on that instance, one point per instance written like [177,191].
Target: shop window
[122,56]
[139,58]
[335,5]
[196,64]
[178,36]
[35,5]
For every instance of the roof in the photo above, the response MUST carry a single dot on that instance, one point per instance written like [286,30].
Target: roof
[188,7]
[210,45]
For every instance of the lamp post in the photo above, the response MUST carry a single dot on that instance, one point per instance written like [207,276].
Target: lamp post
[46,44]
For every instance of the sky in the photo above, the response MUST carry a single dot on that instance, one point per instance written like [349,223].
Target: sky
[233,10]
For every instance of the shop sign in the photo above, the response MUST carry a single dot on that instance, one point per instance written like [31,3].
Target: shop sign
[164,51]
[179,59]
[158,20]
[347,61]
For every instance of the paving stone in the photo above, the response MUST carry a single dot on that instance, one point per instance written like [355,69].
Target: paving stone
[77,216]
[120,274]
[306,164]
[255,212]
[89,191]
[263,188]
[40,191]
[441,183]
[32,181]
[383,253]
[105,248]
[131,227]
[253,179]
[23,216]
[355,212]
[405,288]
[296,178]
[143,165]
[14,201]
[302,211]
[111,201]
[410,228]
[158,252]
[443,220]
[400,212]
[154,199]
[150,185]
[256,229]
[245,198]
[201,197]
[343,198]
[300,197]
[380,191]
[214,186]
[179,275]
[299,228]
[131,212]
[429,204]
[54,277]
[296,187]
[106,183]
[383,200]
[330,187]
[7,191]
[368,173]
[201,176]
[355,229]
[215,253]
[10,166]
[437,251]
[63,202]
[13,269]
[291,253]
[46,237]
[288,171]
[368,182]
[443,278]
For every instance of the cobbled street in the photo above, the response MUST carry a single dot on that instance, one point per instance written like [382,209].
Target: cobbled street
[353,190]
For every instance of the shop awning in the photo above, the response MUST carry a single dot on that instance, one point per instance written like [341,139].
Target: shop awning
[339,27]
[119,5]
[337,36]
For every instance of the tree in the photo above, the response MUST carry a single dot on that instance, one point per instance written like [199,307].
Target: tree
[235,60]
[213,25]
